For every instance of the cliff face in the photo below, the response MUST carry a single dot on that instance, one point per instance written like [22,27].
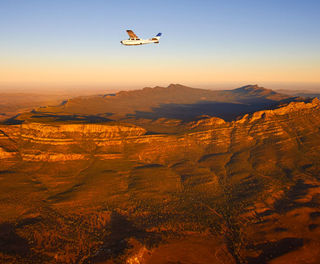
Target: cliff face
[56,142]
[35,141]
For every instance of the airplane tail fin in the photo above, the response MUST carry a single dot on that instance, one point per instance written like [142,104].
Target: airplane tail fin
[157,38]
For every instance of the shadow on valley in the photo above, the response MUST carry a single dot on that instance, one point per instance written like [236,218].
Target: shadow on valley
[149,166]
[297,191]
[271,250]
[62,196]
[79,118]
[11,243]
[117,240]
[47,117]
[6,172]
[189,112]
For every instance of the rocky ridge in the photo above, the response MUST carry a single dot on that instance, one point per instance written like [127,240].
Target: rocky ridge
[56,142]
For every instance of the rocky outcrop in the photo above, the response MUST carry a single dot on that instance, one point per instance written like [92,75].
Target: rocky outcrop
[52,157]
[211,135]
[63,133]
[6,154]
[62,142]
[291,107]
[207,122]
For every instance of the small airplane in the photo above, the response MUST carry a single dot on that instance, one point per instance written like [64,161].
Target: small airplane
[134,40]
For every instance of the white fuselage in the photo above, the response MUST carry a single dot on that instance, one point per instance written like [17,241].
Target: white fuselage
[132,42]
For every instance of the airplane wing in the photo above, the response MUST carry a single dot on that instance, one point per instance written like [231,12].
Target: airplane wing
[132,35]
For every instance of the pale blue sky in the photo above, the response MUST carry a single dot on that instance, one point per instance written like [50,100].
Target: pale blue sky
[78,41]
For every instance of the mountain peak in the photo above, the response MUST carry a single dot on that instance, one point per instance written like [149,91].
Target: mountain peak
[176,85]
[257,91]
[253,88]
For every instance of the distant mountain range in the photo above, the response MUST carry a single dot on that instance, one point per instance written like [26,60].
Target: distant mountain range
[174,102]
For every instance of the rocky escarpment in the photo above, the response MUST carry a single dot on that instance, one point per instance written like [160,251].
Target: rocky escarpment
[6,154]
[281,111]
[52,142]
[56,142]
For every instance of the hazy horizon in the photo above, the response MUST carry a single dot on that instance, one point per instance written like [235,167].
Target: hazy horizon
[60,44]
[74,90]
